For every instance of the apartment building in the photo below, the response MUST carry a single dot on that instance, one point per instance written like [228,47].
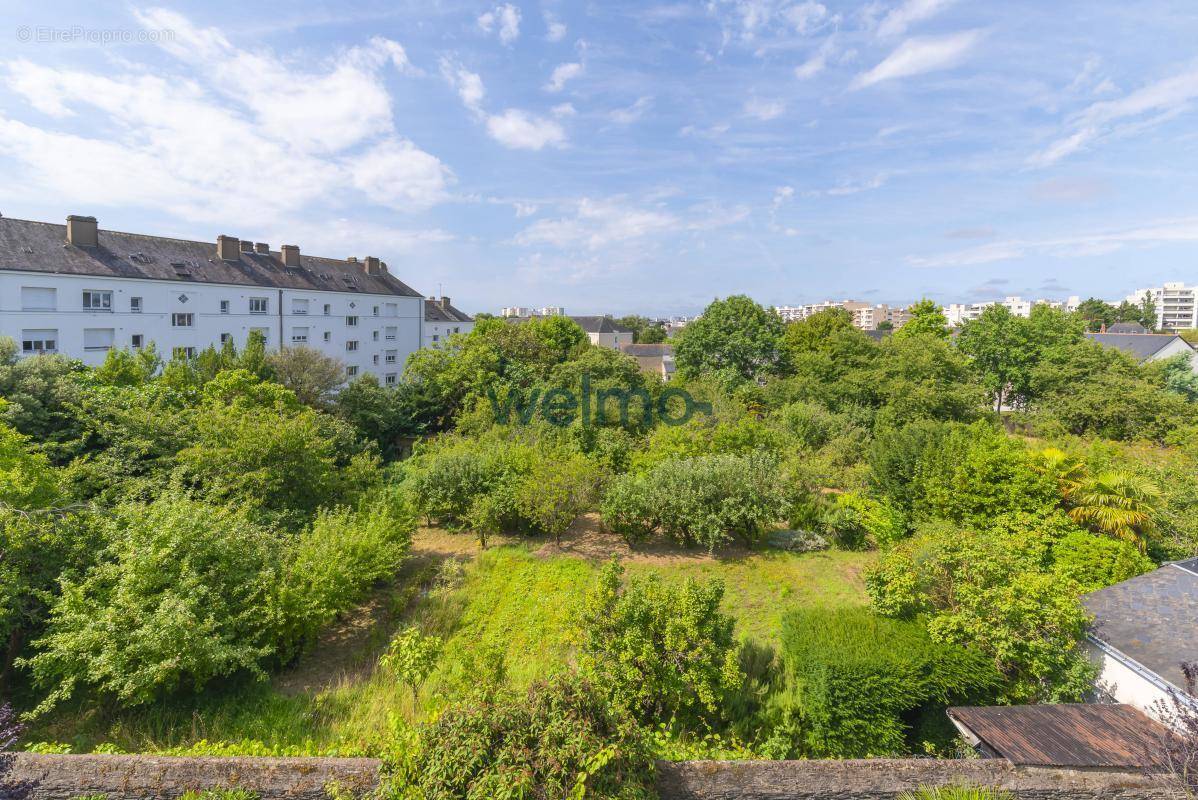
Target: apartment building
[866,316]
[959,313]
[80,290]
[1176,305]
[442,320]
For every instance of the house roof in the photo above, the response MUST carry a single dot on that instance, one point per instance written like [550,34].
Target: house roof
[28,246]
[649,350]
[434,311]
[600,325]
[1140,346]
[1151,619]
[1126,327]
[1069,735]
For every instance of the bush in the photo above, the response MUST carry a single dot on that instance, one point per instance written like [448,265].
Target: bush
[447,482]
[556,492]
[1094,562]
[660,650]
[856,522]
[851,676]
[559,739]
[708,500]
[182,595]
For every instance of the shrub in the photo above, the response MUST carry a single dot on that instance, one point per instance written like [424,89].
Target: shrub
[851,676]
[811,425]
[659,649]
[559,739]
[1094,562]
[856,522]
[181,596]
[556,491]
[411,657]
[628,508]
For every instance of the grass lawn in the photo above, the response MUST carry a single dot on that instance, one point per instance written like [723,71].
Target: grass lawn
[515,603]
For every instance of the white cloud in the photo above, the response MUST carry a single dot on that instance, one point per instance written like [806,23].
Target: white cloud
[1184,229]
[918,55]
[505,19]
[783,194]
[564,110]
[764,110]
[468,85]
[520,130]
[561,74]
[234,136]
[807,16]
[817,63]
[597,223]
[632,113]
[555,30]
[1165,98]
[908,13]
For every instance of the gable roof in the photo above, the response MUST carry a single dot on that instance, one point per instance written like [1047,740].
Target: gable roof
[435,312]
[1151,619]
[648,350]
[1140,346]
[597,324]
[1067,735]
[28,246]
[1126,327]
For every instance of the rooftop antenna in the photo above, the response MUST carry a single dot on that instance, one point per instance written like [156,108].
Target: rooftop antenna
[440,291]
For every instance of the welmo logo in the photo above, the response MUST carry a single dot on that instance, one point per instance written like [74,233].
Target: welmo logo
[561,406]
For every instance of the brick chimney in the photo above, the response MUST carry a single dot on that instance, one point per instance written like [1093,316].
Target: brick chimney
[228,248]
[247,246]
[83,231]
[373,266]
[290,254]
[444,302]
[262,248]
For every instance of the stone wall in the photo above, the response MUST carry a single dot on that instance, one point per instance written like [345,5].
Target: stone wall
[884,779]
[62,777]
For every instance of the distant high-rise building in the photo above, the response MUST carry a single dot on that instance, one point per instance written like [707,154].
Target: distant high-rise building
[1175,304]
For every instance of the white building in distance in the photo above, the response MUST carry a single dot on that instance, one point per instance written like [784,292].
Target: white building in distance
[442,320]
[959,313]
[1175,305]
[79,290]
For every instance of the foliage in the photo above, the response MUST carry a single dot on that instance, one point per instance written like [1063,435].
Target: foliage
[558,739]
[1116,503]
[410,657]
[852,676]
[27,480]
[1094,562]
[308,372]
[1096,313]
[180,597]
[1002,350]
[927,319]
[736,339]
[556,491]
[660,650]
[856,521]
[955,793]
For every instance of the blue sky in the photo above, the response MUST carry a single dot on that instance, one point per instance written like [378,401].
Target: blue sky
[629,156]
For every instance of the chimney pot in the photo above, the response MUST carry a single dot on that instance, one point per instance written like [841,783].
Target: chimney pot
[228,248]
[263,248]
[372,266]
[83,231]
[247,246]
[352,259]
[291,255]
[445,302]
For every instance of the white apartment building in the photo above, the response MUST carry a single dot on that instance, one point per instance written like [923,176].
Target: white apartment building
[1175,305]
[959,313]
[79,290]
[516,311]
[866,316]
[442,320]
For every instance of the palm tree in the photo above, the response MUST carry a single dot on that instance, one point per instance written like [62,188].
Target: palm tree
[1065,469]
[1116,503]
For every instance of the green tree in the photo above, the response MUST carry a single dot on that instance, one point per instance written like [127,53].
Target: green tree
[1096,313]
[653,334]
[927,319]
[1117,503]
[660,650]
[735,339]
[1001,348]
[556,491]
[1147,316]
[411,657]
[311,374]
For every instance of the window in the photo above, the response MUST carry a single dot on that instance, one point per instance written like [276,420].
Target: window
[299,306]
[328,337]
[351,322]
[134,305]
[351,371]
[374,359]
[184,352]
[36,298]
[374,335]
[390,379]
[43,341]
[376,311]
[224,306]
[328,309]
[391,356]
[351,345]
[98,338]
[457,330]
[390,334]
[179,320]
[436,338]
[259,305]
[225,337]
[299,335]
[97,301]
[137,341]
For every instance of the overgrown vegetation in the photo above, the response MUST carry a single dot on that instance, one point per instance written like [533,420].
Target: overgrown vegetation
[856,535]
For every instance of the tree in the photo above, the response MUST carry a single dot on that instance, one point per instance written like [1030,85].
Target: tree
[735,339]
[1147,316]
[411,657]
[653,334]
[556,492]
[927,318]
[311,374]
[1002,351]
[884,325]
[1096,313]
[660,650]
[1117,503]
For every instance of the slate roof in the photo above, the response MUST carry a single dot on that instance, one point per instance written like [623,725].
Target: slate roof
[600,325]
[1068,735]
[656,350]
[435,312]
[1151,619]
[1126,327]
[28,246]
[1140,346]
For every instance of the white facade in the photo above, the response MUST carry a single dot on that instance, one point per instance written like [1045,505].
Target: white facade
[1122,680]
[83,317]
[516,311]
[1176,304]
